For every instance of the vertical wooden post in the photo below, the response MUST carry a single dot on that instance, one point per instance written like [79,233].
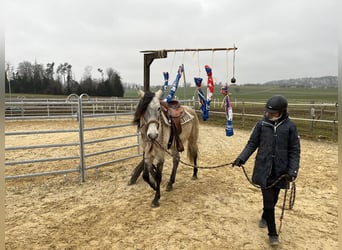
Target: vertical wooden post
[81,136]
[335,118]
[243,114]
[148,59]
[312,116]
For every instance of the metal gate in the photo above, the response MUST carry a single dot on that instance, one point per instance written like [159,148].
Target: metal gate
[74,106]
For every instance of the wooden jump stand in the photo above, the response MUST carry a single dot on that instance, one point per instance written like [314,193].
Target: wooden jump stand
[149,56]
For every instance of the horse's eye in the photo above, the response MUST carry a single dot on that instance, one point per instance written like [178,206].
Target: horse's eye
[158,108]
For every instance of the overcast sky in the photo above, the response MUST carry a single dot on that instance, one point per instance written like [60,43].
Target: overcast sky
[275,39]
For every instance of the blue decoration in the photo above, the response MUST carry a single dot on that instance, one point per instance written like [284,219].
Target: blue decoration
[229,128]
[174,85]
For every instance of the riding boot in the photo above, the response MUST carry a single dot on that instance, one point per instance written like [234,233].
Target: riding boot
[262,221]
[263,216]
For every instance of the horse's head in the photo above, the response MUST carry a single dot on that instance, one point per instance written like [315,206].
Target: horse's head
[148,112]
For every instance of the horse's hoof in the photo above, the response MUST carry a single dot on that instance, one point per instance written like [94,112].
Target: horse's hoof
[131,183]
[155,204]
[169,187]
[194,178]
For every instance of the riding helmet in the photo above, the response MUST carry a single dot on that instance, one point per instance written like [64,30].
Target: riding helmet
[276,103]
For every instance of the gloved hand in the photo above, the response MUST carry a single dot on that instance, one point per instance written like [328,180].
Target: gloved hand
[290,178]
[238,162]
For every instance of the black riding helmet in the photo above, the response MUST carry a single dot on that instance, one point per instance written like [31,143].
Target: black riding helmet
[276,103]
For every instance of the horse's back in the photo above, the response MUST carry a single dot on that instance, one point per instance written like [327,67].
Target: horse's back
[191,127]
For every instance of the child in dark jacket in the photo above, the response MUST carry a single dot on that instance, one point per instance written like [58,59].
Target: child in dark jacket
[277,141]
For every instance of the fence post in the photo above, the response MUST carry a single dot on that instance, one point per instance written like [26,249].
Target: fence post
[22,107]
[335,118]
[80,121]
[312,116]
[243,114]
[68,99]
[322,110]
[138,141]
[48,107]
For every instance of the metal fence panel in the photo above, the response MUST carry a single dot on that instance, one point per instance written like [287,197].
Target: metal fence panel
[77,112]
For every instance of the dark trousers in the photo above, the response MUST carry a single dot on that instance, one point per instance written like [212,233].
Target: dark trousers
[270,199]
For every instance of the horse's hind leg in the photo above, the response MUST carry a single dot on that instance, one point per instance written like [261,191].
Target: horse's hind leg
[174,171]
[136,173]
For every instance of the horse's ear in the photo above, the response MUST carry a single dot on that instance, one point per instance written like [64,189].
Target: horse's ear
[159,93]
[140,93]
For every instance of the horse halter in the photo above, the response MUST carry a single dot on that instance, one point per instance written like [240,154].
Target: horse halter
[155,119]
[152,121]
[152,133]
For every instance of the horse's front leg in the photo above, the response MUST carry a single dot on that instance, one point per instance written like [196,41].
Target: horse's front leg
[175,163]
[158,178]
[149,174]
[153,176]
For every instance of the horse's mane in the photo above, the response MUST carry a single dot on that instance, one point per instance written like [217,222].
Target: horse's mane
[142,106]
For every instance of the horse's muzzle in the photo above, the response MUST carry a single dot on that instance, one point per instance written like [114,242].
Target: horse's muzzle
[152,130]
[152,136]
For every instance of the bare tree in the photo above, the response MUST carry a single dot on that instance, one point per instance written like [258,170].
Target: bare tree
[25,70]
[110,72]
[62,70]
[38,76]
[87,72]
[102,74]
[69,73]
[49,70]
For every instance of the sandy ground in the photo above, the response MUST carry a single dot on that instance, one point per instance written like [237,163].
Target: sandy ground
[218,211]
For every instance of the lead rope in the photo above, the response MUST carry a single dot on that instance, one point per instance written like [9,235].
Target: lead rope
[293,187]
[291,202]
[292,195]
[191,165]
[282,212]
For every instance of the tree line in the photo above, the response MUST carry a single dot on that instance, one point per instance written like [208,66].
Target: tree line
[305,82]
[36,78]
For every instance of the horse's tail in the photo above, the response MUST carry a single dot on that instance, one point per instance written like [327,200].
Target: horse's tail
[192,150]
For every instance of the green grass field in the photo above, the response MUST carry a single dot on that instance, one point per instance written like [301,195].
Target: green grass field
[308,129]
[259,93]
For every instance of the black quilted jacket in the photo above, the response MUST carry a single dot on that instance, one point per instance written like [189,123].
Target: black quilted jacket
[278,151]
